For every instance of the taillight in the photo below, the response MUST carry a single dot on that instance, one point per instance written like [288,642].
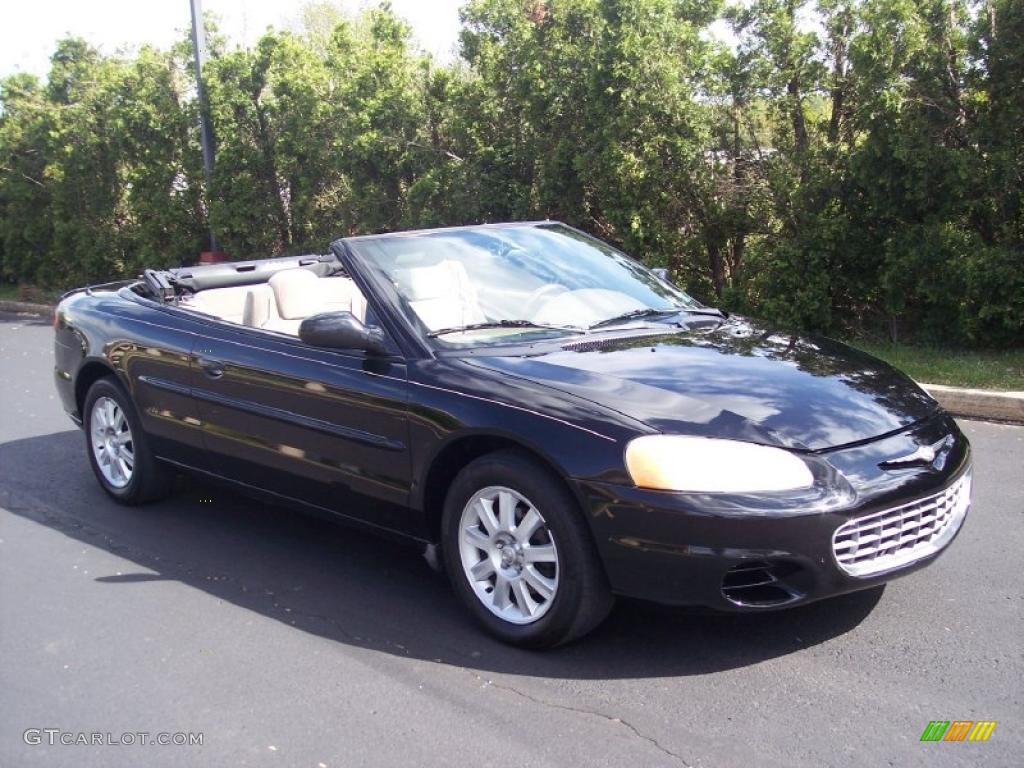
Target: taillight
[56,318]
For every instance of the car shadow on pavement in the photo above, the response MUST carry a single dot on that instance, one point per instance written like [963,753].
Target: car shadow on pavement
[362,591]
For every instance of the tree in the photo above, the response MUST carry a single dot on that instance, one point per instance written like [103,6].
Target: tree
[26,227]
[847,166]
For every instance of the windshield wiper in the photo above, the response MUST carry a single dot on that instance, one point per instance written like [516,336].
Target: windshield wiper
[635,314]
[505,324]
[650,312]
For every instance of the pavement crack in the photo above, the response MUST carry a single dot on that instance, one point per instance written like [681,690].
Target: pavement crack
[593,713]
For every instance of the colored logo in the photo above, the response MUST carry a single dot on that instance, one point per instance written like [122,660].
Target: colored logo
[958,730]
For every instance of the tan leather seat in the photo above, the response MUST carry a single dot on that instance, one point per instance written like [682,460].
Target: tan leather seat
[293,295]
[259,301]
[442,295]
[340,294]
[297,296]
[226,303]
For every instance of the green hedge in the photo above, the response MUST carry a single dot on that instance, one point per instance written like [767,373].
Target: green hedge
[867,176]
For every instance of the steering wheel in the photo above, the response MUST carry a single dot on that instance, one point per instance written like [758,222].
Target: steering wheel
[541,296]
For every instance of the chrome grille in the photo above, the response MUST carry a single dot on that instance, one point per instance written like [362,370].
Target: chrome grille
[902,535]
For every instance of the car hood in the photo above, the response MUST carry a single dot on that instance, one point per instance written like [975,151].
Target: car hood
[739,381]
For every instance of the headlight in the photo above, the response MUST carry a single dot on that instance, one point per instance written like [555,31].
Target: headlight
[702,464]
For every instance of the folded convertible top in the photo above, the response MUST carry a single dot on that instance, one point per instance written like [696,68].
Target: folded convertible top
[202,278]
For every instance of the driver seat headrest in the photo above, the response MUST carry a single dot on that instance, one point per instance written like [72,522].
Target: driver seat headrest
[296,293]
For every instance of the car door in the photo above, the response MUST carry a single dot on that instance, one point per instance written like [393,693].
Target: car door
[325,427]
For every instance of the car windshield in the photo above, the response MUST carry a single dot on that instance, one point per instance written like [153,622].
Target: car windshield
[497,284]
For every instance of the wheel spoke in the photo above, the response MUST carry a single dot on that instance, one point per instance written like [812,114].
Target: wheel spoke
[539,553]
[122,467]
[528,525]
[483,569]
[506,511]
[500,597]
[541,584]
[108,412]
[524,600]
[473,536]
[486,515]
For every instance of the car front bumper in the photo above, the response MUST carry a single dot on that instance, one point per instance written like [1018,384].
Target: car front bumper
[771,551]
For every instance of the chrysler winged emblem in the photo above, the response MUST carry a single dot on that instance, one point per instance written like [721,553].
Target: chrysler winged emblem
[924,456]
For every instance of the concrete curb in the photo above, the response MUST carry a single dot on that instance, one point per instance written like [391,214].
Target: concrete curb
[968,403]
[24,307]
[979,403]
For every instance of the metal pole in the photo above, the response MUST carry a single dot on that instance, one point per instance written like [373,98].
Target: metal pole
[205,131]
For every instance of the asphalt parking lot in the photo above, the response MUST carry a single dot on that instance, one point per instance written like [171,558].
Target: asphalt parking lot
[285,640]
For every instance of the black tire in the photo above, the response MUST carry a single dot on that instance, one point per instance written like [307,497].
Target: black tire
[150,480]
[582,599]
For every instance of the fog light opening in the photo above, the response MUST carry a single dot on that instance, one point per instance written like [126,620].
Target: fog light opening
[764,583]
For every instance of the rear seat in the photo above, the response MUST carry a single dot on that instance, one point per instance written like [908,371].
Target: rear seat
[282,303]
[226,303]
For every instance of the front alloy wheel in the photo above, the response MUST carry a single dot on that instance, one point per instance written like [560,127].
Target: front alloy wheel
[519,552]
[508,555]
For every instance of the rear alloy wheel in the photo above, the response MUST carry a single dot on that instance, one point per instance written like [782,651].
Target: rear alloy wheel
[519,554]
[112,444]
[118,448]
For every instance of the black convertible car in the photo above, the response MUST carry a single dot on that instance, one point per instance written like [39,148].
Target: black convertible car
[557,422]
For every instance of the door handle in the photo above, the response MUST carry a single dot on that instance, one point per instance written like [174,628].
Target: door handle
[214,369]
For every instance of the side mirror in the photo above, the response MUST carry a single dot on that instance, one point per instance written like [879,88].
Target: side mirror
[341,330]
